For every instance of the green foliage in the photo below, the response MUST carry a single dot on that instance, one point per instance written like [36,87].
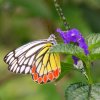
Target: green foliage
[93,40]
[68,49]
[22,21]
[32,7]
[65,68]
[80,91]
[95,54]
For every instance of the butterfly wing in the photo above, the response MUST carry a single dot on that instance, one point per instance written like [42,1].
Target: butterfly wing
[47,66]
[34,58]
[21,59]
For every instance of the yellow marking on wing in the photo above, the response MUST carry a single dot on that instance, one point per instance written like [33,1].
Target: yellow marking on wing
[42,70]
[37,62]
[47,46]
[48,67]
[52,62]
[45,71]
[45,59]
[57,59]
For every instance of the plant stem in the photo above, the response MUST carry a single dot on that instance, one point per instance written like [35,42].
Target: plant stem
[88,72]
[60,12]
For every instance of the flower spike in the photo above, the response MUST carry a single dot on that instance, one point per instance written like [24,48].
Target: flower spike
[60,12]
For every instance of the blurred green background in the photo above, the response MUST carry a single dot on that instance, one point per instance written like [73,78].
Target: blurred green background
[22,21]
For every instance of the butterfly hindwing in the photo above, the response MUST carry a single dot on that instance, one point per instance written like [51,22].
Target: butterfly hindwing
[46,67]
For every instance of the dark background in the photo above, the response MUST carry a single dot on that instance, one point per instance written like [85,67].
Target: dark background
[22,21]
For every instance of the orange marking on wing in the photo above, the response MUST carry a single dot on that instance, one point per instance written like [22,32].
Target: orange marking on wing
[45,78]
[40,79]
[35,76]
[56,73]
[33,69]
[50,76]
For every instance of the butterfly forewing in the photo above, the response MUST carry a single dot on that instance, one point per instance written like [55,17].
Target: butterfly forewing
[18,57]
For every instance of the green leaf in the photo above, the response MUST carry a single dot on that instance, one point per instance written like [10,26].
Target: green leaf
[65,68]
[95,53]
[80,91]
[69,49]
[93,40]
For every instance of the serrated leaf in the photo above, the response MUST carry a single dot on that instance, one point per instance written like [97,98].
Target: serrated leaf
[65,68]
[80,91]
[95,53]
[69,49]
[93,40]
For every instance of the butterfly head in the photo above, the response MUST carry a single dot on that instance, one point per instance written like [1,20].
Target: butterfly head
[52,38]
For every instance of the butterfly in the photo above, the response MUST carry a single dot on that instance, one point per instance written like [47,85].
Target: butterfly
[36,59]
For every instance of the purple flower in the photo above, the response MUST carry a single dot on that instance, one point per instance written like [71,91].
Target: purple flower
[75,59]
[74,35]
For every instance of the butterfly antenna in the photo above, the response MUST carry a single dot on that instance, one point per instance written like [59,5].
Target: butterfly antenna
[60,12]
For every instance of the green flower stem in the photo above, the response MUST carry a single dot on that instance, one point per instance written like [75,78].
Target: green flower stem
[88,72]
[60,12]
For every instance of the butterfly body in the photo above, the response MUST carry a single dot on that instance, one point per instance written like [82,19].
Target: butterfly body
[36,59]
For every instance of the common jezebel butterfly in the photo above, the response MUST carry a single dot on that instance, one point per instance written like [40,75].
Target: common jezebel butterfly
[36,59]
